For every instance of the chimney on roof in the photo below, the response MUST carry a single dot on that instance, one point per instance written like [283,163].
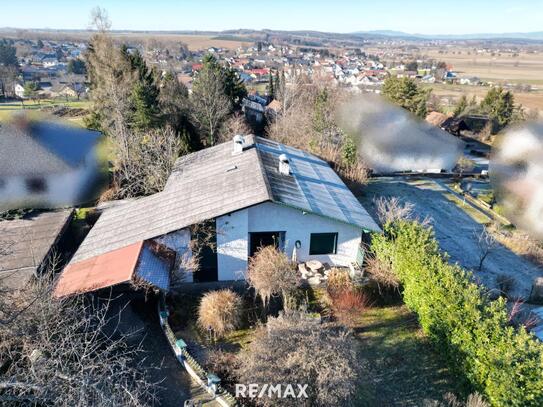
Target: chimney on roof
[238,144]
[284,166]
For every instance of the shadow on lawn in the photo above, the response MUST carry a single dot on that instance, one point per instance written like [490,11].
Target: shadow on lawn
[399,365]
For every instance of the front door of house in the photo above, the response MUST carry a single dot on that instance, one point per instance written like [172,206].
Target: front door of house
[207,242]
[262,239]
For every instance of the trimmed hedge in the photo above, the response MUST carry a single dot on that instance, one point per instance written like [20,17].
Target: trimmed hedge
[503,363]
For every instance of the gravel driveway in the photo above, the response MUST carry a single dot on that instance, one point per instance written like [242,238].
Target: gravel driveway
[456,227]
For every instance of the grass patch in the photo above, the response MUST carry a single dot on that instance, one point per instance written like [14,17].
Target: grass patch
[475,214]
[400,367]
[35,109]
[240,338]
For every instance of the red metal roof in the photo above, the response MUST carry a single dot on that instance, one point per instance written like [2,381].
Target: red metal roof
[111,268]
[259,71]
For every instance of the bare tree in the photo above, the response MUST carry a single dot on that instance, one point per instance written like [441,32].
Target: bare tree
[99,19]
[111,79]
[146,160]
[59,353]
[236,124]
[464,164]
[75,84]
[382,274]
[486,243]
[271,273]
[209,104]
[295,349]
[8,80]
[307,121]
[390,210]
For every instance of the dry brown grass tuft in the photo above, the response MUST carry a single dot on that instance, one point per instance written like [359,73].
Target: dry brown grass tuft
[339,281]
[519,243]
[271,273]
[345,300]
[220,311]
[473,400]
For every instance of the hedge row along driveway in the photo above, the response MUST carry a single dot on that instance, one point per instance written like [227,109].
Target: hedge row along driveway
[502,362]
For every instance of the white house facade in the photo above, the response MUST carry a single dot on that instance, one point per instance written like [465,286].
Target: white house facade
[239,232]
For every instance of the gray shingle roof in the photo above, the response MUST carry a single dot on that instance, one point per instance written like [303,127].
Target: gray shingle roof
[203,185]
[214,182]
[26,242]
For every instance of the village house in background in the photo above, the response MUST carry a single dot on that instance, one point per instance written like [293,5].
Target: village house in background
[251,191]
[45,164]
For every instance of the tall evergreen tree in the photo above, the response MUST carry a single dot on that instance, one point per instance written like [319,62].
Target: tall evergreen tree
[405,93]
[500,107]
[271,91]
[174,109]
[145,92]
[8,54]
[235,88]
[233,85]
[277,85]
[461,106]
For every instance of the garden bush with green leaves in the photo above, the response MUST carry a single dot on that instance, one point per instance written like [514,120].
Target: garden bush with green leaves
[502,362]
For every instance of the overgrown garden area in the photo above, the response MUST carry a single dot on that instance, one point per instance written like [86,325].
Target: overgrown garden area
[352,344]
[417,331]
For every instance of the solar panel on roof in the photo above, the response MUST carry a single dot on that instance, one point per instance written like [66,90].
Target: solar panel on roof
[312,186]
[153,269]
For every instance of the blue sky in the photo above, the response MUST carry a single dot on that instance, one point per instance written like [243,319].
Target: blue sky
[413,16]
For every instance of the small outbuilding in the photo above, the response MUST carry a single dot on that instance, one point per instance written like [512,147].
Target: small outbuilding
[28,243]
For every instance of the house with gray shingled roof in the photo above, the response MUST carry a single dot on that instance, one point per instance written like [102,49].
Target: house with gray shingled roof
[253,192]
[45,164]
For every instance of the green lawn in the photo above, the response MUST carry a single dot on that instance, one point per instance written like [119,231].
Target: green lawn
[33,108]
[399,365]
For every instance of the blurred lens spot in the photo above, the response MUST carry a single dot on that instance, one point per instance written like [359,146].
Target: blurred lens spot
[516,172]
[392,140]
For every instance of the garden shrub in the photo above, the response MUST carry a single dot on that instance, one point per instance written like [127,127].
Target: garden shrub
[271,273]
[475,334]
[348,305]
[220,311]
[339,280]
[295,348]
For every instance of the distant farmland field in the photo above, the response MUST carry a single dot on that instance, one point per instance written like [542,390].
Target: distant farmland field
[526,68]
[530,100]
[194,42]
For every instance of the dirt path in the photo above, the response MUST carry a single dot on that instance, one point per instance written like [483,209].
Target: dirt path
[456,227]
[176,386]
